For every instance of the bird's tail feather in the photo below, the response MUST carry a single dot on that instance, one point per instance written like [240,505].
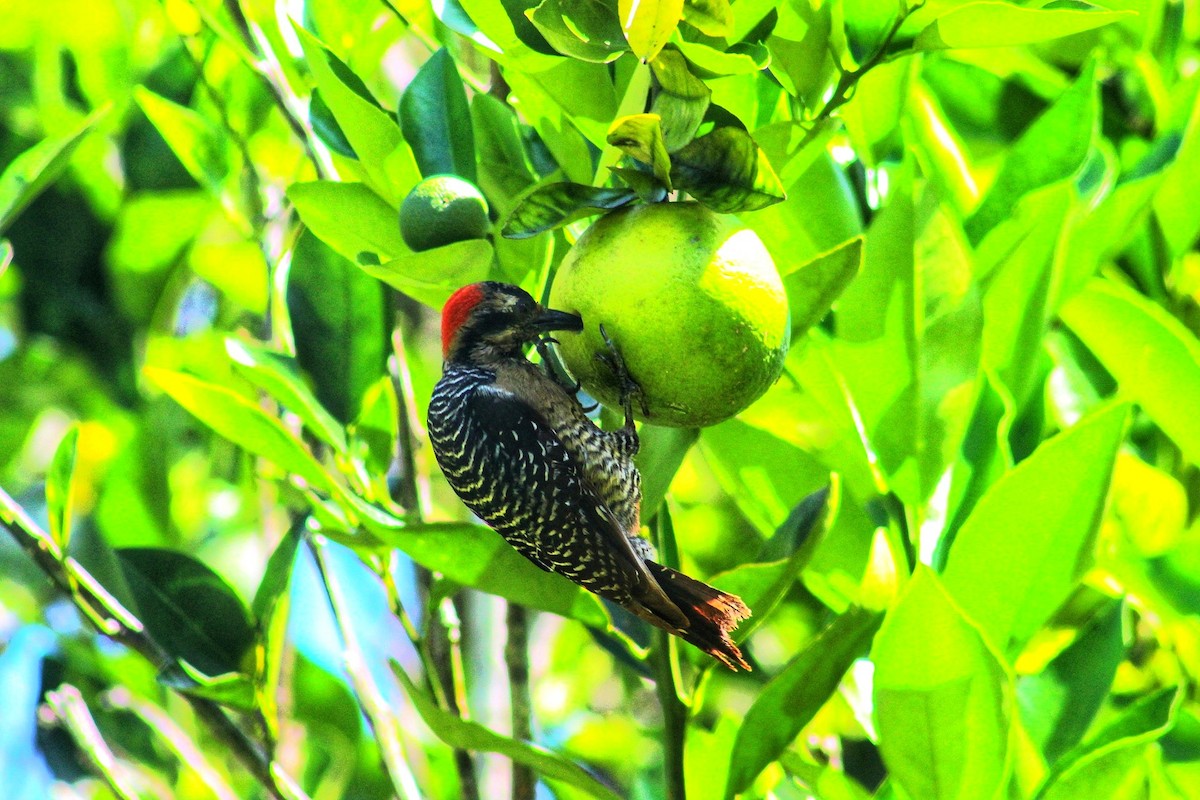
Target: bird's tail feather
[711,613]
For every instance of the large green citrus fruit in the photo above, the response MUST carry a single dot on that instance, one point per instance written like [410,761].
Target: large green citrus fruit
[692,301]
[441,210]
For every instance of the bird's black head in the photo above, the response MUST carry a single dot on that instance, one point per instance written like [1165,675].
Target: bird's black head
[490,321]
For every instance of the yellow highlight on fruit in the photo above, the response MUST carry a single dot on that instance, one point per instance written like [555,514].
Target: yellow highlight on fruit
[692,300]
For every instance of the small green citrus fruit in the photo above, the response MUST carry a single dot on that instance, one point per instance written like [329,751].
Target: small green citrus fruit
[441,210]
[692,301]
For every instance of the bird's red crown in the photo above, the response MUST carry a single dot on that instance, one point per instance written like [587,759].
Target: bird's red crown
[456,311]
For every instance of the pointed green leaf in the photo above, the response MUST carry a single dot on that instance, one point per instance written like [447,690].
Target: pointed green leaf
[681,100]
[188,609]
[326,127]
[473,737]
[59,485]
[813,287]
[727,172]
[1010,585]
[648,24]
[1053,148]
[867,25]
[640,136]
[658,458]
[943,698]
[370,130]
[198,144]
[431,276]
[478,557]
[584,29]
[436,119]
[350,218]
[242,422]
[796,694]
[554,205]
[27,175]
[276,374]
[995,24]
[1153,356]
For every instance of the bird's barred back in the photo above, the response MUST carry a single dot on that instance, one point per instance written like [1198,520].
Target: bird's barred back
[512,471]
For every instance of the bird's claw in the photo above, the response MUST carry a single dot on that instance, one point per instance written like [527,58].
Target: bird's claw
[630,389]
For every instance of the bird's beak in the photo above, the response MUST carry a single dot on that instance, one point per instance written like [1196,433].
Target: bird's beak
[550,320]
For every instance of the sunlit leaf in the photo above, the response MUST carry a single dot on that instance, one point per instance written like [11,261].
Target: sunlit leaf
[943,708]
[1154,358]
[478,557]
[240,421]
[350,218]
[814,286]
[584,29]
[276,375]
[1010,585]
[649,23]
[995,24]
[710,17]
[795,695]
[196,142]
[431,276]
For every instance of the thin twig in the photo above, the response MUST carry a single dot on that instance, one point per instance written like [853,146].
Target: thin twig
[116,622]
[516,656]
[664,660]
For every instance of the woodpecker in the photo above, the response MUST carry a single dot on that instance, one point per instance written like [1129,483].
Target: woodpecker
[519,450]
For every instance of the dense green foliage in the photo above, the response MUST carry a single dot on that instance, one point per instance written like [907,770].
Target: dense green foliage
[965,518]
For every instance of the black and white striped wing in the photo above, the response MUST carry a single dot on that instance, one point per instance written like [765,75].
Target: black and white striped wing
[509,467]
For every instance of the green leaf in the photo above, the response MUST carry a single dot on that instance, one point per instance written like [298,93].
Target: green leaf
[1010,585]
[242,422]
[504,170]
[1154,358]
[188,609]
[27,175]
[942,698]
[59,488]
[198,144]
[727,171]
[648,24]
[867,25]
[738,59]
[640,136]
[813,287]
[270,607]
[350,218]
[473,737]
[554,205]
[436,119]
[373,436]
[1053,148]
[371,132]
[326,127]
[796,694]
[276,374]
[711,17]
[1111,758]
[658,458]
[995,24]
[1059,703]
[478,557]
[1174,204]
[338,324]
[232,689]
[431,276]
[681,101]
[584,29]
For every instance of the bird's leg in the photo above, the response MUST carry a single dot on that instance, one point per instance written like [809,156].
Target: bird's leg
[542,346]
[630,389]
